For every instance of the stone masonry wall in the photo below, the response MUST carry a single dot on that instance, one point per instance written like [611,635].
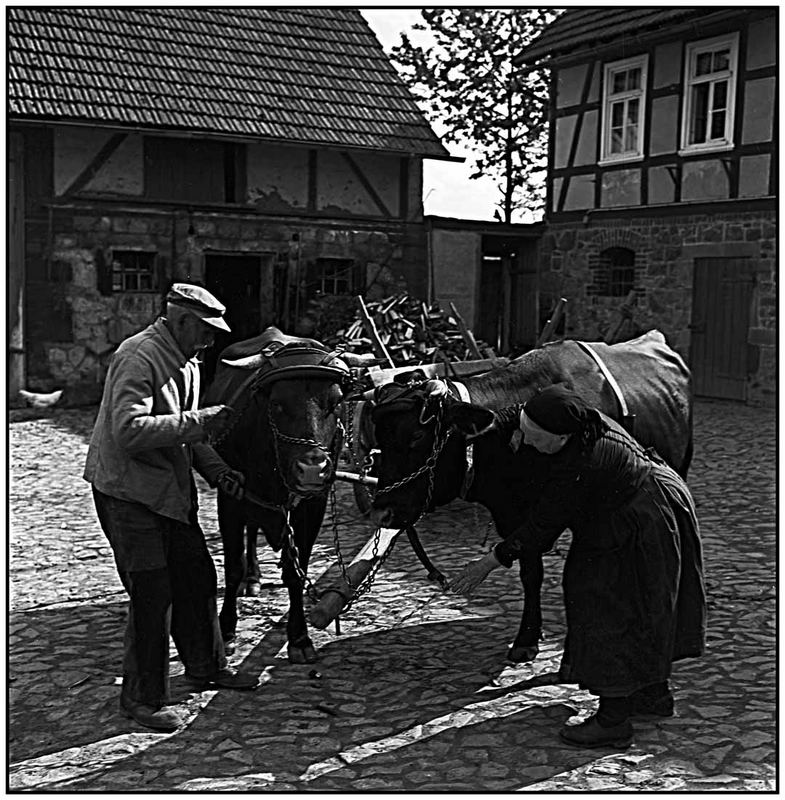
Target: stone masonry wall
[665,248]
[74,353]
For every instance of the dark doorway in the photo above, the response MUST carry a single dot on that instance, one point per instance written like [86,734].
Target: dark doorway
[243,283]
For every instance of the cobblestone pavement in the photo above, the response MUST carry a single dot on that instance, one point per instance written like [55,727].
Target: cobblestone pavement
[414,694]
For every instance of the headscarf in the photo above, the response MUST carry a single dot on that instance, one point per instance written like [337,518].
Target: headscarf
[559,410]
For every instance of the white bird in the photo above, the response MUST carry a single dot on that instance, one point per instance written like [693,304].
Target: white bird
[38,400]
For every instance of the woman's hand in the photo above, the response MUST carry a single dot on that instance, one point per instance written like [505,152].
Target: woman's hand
[474,573]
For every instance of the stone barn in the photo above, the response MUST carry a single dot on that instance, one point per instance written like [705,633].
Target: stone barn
[270,154]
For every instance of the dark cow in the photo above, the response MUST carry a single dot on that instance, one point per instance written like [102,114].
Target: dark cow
[412,426]
[285,438]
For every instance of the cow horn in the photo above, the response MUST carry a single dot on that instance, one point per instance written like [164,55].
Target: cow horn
[249,362]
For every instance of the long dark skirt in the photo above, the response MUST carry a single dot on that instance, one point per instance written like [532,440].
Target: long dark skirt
[633,590]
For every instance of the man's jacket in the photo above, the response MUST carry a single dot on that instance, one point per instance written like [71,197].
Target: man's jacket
[148,433]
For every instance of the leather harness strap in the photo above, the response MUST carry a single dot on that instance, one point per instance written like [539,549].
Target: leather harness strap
[461,390]
[627,419]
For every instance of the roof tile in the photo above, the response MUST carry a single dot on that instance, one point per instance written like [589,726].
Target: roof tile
[312,75]
[580,28]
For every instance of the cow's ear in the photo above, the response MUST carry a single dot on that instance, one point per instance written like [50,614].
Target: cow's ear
[469,419]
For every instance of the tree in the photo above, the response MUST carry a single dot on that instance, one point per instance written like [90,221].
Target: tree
[468,84]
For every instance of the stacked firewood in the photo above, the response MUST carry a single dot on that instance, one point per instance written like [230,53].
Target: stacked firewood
[411,331]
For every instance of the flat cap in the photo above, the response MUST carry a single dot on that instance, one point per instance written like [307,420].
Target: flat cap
[199,302]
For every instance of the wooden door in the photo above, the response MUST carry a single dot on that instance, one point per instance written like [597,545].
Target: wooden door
[722,294]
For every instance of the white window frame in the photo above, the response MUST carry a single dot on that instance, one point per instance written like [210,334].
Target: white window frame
[608,97]
[692,50]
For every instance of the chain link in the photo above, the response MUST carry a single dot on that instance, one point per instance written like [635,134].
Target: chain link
[294,557]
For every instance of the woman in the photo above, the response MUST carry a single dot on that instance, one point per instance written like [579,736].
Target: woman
[633,579]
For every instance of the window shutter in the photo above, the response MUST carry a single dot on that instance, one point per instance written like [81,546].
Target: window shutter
[103,272]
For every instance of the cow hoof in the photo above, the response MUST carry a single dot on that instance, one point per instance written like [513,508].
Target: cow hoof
[302,655]
[252,589]
[518,654]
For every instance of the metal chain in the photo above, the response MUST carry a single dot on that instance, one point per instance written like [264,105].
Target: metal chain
[364,466]
[370,578]
[294,554]
[294,557]
[429,465]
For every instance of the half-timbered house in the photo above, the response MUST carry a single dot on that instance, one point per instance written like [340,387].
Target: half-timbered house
[268,153]
[663,181]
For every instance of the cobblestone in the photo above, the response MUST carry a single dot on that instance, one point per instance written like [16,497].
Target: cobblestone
[414,694]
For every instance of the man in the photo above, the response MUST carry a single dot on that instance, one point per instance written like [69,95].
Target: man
[148,435]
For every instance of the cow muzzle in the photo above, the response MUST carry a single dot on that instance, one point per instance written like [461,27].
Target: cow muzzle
[312,472]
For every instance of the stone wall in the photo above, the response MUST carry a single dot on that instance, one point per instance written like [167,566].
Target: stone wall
[665,248]
[74,326]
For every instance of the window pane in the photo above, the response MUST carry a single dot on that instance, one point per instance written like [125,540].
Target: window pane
[700,111]
[720,99]
[721,60]
[617,115]
[619,81]
[617,140]
[632,111]
[718,125]
[634,78]
[703,64]
[631,139]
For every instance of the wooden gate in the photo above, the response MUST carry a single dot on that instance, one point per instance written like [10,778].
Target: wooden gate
[722,294]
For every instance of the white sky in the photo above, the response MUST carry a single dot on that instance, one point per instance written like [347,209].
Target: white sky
[447,190]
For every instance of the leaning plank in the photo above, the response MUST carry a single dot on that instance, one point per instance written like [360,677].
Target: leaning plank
[625,313]
[468,336]
[370,328]
[550,325]
[336,597]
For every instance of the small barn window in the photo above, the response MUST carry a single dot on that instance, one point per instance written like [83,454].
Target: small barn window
[615,272]
[333,276]
[133,271]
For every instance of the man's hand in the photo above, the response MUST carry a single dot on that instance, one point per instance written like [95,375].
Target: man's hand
[215,420]
[232,482]
[474,573]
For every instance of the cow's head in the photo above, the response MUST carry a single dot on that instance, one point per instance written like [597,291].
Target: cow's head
[422,460]
[292,430]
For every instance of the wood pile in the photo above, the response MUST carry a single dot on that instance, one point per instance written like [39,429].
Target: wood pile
[412,332]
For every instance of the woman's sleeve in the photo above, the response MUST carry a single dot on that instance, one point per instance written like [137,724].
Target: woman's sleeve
[546,521]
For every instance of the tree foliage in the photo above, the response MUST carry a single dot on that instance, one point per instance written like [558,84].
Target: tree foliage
[466,82]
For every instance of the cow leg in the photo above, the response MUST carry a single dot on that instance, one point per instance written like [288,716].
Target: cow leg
[252,574]
[232,526]
[526,645]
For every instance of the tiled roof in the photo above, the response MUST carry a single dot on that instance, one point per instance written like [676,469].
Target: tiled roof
[579,28]
[316,76]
